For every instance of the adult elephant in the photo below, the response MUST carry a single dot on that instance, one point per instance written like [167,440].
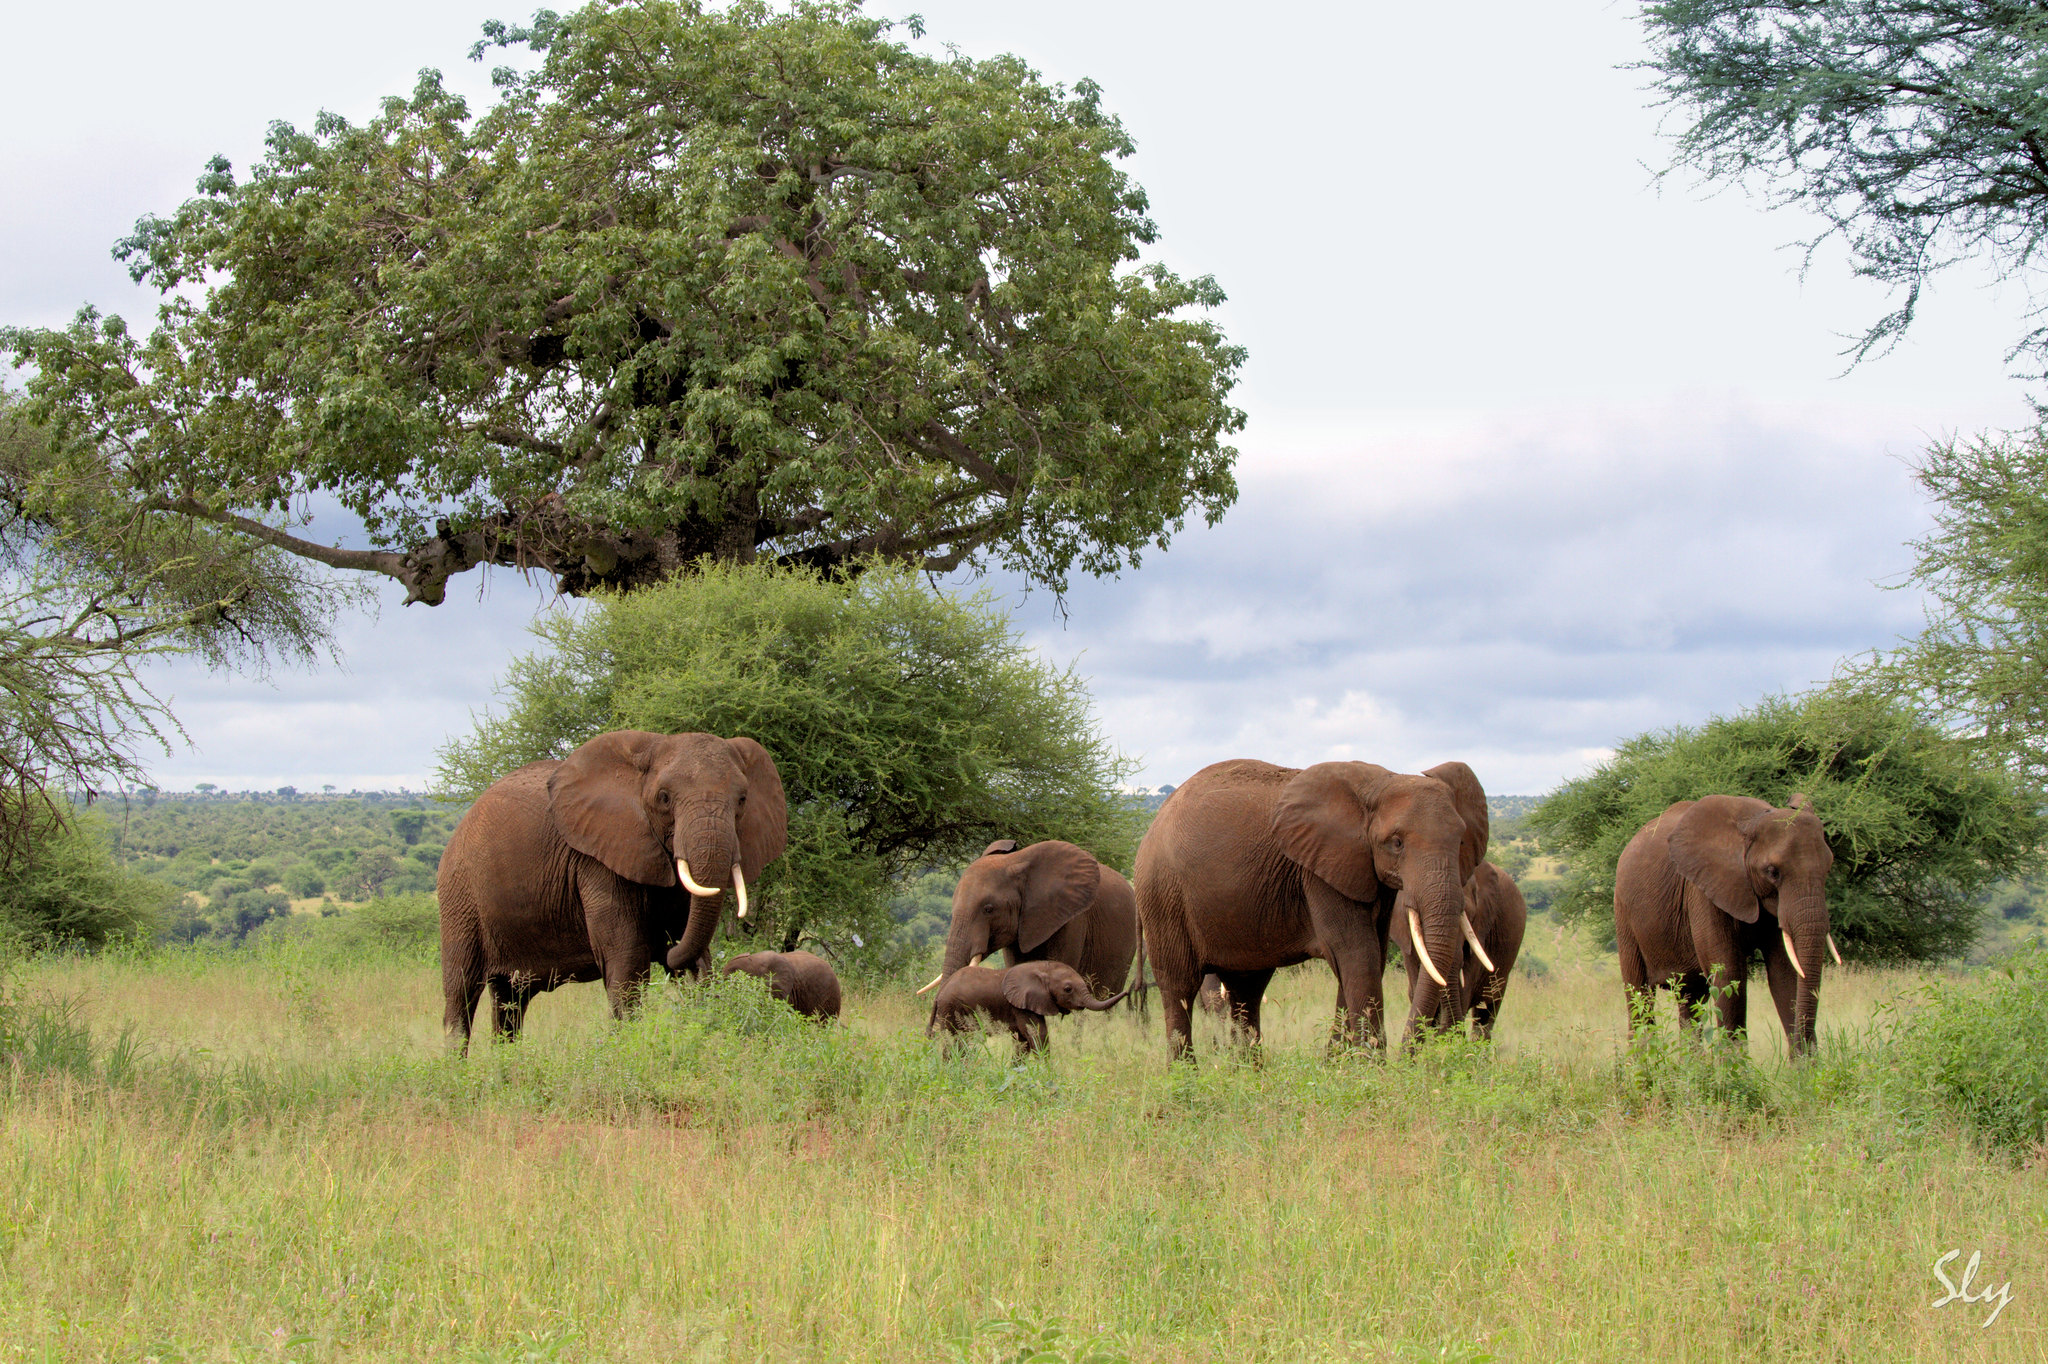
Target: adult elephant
[599,865]
[1249,867]
[1709,882]
[1496,917]
[1051,901]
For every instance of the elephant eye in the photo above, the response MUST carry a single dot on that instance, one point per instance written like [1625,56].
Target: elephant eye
[1771,872]
[1394,843]
[661,797]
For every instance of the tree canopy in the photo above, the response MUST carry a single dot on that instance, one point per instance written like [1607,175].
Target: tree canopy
[1918,129]
[1919,825]
[702,283]
[910,727]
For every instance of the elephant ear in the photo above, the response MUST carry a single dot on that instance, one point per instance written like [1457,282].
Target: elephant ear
[1710,847]
[1470,798]
[594,797]
[764,827]
[1321,823]
[1001,845]
[1026,987]
[1059,884]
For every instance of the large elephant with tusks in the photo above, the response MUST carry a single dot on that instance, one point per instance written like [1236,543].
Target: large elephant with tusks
[599,865]
[1249,867]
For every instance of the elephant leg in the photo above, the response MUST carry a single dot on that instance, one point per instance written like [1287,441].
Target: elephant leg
[1246,991]
[1486,1008]
[462,981]
[1179,976]
[1784,983]
[462,995]
[1354,940]
[1691,990]
[1638,996]
[619,937]
[509,998]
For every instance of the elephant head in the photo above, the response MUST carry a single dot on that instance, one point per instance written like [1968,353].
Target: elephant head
[674,809]
[1749,858]
[1012,897]
[1052,987]
[1369,833]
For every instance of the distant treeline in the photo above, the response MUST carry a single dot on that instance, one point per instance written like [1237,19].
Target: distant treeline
[238,861]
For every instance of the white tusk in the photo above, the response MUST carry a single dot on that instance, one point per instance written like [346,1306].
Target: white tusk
[975,960]
[935,980]
[1422,952]
[690,882]
[1478,948]
[1833,950]
[1792,954]
[739,887]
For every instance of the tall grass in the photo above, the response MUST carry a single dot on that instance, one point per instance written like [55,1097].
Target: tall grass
[280,1162]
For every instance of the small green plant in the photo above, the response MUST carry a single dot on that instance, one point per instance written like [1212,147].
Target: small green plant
[1020,1340]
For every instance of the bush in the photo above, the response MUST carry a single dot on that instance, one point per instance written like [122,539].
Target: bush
[1974,1052]
[66,890]
[1919,825]
[304,881]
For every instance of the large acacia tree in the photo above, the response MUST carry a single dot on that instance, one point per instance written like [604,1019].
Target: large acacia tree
[701,283]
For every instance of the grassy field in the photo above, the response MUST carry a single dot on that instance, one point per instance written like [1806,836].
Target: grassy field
[266,1155]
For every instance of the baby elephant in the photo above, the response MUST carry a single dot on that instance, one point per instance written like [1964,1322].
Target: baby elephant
[805,982]
[1020,999]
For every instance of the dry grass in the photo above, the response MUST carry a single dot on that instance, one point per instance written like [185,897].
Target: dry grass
[294,1172]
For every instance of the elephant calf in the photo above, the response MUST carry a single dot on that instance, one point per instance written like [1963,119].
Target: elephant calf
[802,980]
[1020,999]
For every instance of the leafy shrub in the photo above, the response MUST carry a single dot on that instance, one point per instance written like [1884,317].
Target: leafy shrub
[398,921]
[304,881]
[1975,1052]
[66,890]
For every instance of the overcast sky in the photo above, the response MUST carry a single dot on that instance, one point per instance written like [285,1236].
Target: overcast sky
[1542,452]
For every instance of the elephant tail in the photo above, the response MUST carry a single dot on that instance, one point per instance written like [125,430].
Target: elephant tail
[1140,992]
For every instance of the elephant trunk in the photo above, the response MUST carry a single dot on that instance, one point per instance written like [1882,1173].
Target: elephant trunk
[712,854]
[1806,930]
[1091,1002]
[1436,906]
[963,945]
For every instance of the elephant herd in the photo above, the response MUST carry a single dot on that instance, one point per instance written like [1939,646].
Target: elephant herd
[597,866]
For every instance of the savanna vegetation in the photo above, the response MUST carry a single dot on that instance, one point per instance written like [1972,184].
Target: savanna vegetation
[261,1154]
